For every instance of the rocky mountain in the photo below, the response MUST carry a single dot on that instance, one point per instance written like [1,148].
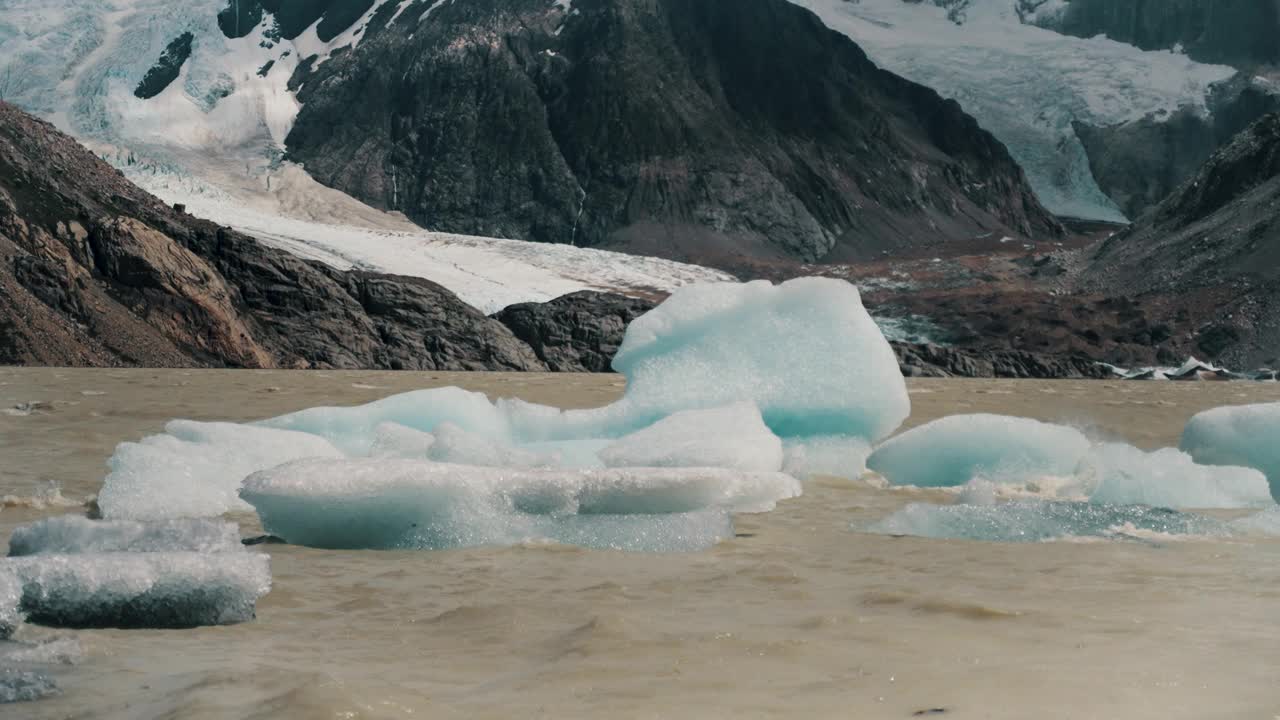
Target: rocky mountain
[691,129]
[94,271]
[1242,33]
[1210,253]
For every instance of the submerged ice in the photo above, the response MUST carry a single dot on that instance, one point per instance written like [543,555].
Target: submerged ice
[72,534]
[1038,520]
[725,383]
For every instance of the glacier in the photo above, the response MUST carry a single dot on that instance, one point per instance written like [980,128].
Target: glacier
[1002,71]
[1237,435]
[213,140]
[726,383]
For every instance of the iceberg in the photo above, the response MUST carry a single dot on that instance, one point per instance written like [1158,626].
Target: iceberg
[383,504]
[719,378]
[830,456]
[1124,475]
[140,590]
[951,451]
[1040,520]
[733,437]
[73,534]
[195,468]
[10,601]
[25,686]
[1237,435]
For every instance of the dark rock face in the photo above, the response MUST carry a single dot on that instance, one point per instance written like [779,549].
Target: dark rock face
[292,17]
[1139,164]
[580,332]
[166,69]
[1211,252]
[1235,32]
[935,361]
[693,129]
[94,271]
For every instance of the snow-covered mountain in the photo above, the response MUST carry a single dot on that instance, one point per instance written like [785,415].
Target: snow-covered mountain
[213,139]
[1025,83]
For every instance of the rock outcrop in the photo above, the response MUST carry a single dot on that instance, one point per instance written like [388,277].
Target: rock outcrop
[94,271]
[697,130]
[1211,253]
[580,332]
[1233,32]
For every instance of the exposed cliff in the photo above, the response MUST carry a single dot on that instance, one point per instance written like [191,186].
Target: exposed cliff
[693,129]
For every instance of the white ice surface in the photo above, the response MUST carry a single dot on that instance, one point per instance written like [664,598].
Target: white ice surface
[141,589]
[951,451]
[10,598]
[733,437]
[418,504]
[1124,475]
[195,469]
[1026,84]
[1237,435]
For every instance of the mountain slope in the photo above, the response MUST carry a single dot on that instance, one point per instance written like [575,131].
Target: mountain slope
[94,271]
[1029,85]
[1212,251]
[693,129]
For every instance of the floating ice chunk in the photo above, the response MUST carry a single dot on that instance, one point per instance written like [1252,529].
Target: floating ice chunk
[25,686]
[195,469]
[1124,475]
[806,352]
[733,437]
[831,455]
[408,504]
[73,534]
[951,451]
[1238,435]
[10,601]
[54,651]
[1035,521]
[392,440]
[353,429]
[455,445]
[136,590]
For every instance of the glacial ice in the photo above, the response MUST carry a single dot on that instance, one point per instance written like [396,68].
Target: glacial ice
[416,504]
[1040,520]
[10,602]
[25,686]
[195,469]
[1237,435]
[831,455]
[1121,474]
[719,377]
[805,351]
[140,590]
[73,534]
[951,451]
[733,437]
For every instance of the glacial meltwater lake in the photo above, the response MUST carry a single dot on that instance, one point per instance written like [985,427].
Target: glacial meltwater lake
[802,614]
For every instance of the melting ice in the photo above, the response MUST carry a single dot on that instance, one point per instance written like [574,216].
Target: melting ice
[726,383]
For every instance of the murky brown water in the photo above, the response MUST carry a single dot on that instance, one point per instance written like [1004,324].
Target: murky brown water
[798,617]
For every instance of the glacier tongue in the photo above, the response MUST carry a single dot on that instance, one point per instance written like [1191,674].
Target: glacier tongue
[1003,71]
